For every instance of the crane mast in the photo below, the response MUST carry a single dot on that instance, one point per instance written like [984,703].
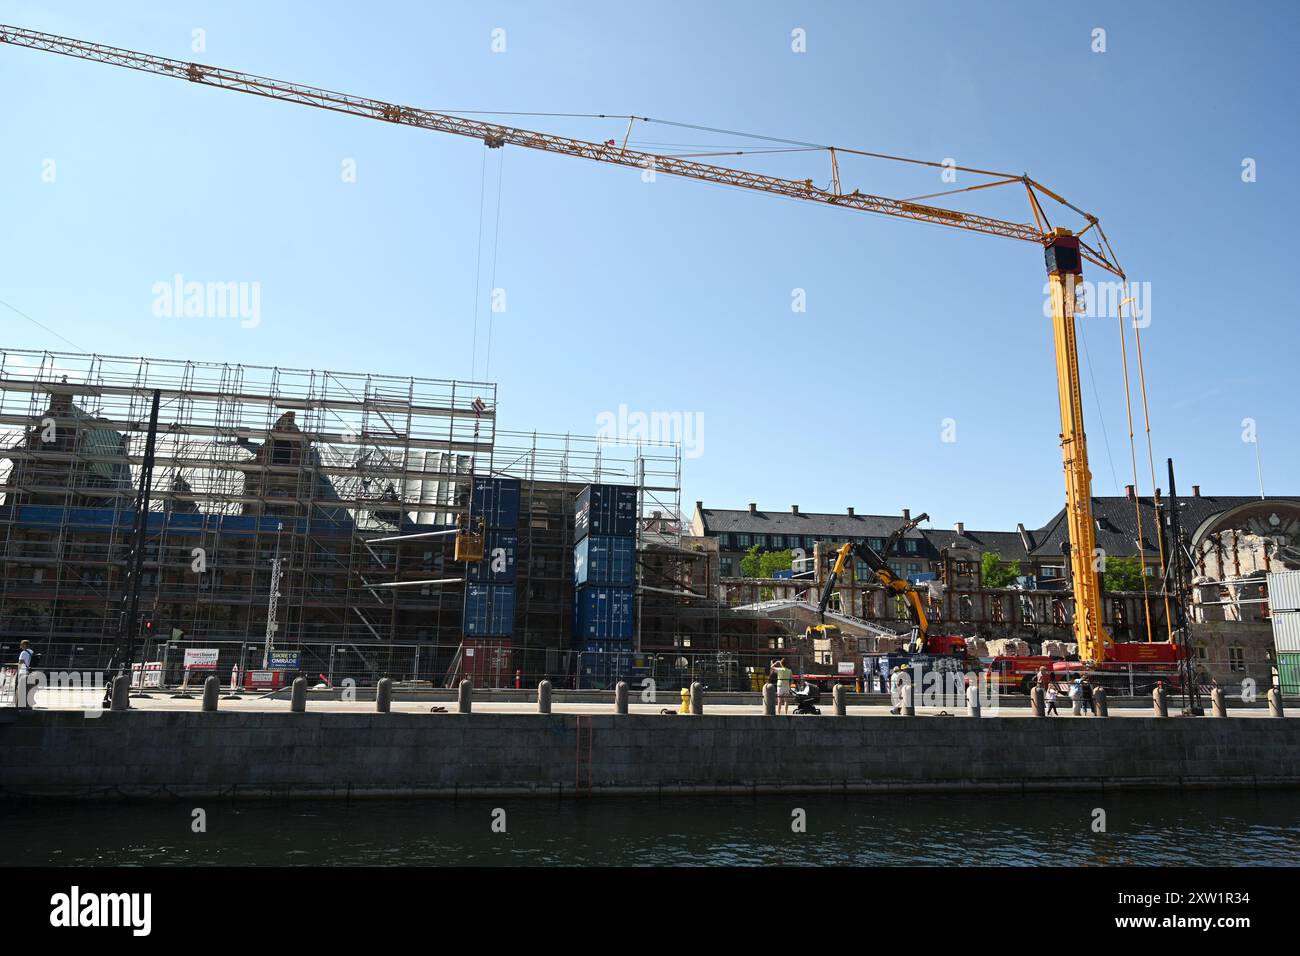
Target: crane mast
[1064,275]
[1065,250]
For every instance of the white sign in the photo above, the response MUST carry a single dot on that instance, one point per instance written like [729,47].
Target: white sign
[846,667]
[146,675]
[201,658]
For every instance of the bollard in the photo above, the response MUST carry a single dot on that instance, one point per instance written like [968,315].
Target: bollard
[1159,704]
[384,696]
[298,696]
[464,697]
[620,697]
[1036,706]
[697,699]
[685,708]
[972,700]
[544,697]
[211,688]
[121,692]
[909,707]
[1218,703]
[769,700]
[1275,703]
[837,698]
[1099,705]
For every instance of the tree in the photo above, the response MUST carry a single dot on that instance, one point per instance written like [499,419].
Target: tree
[1122,574]
[995,573]
[756,564]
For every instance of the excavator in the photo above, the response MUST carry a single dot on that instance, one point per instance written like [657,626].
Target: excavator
[877,563]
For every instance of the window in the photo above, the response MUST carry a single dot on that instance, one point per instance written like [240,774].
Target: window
[728,567]
[1052,571]
[1237,658]
[1202,653]
[913,568]
[910,546]
[778,541]
[760,540]
[742,540]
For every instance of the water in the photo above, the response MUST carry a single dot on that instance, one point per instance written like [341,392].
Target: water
[1226,828]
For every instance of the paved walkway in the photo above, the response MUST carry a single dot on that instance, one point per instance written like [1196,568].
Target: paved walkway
[162,700]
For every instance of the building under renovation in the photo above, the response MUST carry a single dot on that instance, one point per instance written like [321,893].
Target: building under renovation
[276,493]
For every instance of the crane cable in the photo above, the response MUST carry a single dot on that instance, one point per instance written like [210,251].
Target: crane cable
[496,245]
[1146,415]
[478,258]
[1132,449]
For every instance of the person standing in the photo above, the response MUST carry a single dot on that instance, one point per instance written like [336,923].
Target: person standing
[1076,696]
[1088,706]
[1051,701]
[783,676]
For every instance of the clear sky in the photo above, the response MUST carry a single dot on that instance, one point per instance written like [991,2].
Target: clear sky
[674,296]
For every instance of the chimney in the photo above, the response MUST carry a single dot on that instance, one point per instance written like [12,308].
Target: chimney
[850,512]
[1196,491]
[907,514]
[794,509]
[1129,492]
[961,527]
[753,508]
[699,506]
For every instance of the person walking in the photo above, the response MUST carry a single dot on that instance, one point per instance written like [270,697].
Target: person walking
[1051,701]
[25,658]
[1076,696]
[1090,709]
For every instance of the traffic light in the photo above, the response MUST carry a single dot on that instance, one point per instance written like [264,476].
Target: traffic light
[147,624]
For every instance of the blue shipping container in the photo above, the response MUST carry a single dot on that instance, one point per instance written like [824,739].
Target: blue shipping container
[489,610]
[496,501]
[605,509]
[603,613]
[603,665]
[498,564]
[600,559]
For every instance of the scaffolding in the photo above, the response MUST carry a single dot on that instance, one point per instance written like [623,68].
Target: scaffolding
[334,472]
[249,458]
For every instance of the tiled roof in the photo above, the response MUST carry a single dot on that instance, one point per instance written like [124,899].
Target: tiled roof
[824,526]
[1117,522]
[1116,518]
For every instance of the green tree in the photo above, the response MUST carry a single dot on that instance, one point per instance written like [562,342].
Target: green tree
[1122,574]
[762,564]
[995,573]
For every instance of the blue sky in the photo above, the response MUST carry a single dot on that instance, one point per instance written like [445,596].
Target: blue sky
[676,296]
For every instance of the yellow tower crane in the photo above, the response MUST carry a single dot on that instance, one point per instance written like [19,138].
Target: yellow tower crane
[1066,250]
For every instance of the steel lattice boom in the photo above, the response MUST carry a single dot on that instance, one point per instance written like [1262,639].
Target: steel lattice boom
[496,135]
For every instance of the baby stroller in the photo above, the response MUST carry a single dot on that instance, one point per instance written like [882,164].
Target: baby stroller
[806,696]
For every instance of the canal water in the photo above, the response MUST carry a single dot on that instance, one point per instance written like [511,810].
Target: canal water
[1223,829]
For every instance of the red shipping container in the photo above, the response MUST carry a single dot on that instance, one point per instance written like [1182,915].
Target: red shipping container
[486,661]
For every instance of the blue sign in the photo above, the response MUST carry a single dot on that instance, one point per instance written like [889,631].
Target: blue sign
[284,660]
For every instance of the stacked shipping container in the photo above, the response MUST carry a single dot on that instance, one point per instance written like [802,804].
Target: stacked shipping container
[490,583]
[1284,610]
[604,578]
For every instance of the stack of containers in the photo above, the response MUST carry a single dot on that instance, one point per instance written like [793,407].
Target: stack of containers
[604,575]
[490,584]
[1284,611]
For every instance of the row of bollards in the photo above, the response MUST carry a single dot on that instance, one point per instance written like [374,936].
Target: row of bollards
[692,699]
